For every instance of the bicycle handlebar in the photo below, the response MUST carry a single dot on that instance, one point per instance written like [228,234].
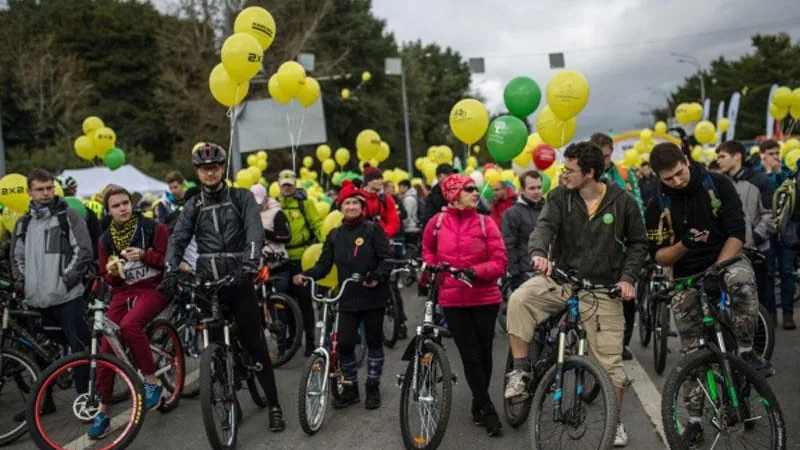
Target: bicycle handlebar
[209,285]
[679,283]
[458,274]
[562,276]
[321,299]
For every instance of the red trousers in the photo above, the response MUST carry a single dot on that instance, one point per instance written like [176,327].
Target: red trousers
[132,311]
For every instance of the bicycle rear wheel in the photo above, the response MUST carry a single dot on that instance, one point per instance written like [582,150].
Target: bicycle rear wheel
[764,336]
[58,417]
[574,429]
[430,398]
[312,399]
[218,397]
[283,327]
[168,361]
[391,318]
[517,409]
[644,322]
[18,374]
[697,387]
[191,345]
[660,336]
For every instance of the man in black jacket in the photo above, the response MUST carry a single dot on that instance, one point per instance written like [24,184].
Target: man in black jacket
[226,224]
[518,223]
[435,200]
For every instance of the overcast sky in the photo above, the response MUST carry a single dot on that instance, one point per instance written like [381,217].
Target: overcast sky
[622,47]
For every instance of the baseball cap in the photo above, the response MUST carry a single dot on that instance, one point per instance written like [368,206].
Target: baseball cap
[287,177]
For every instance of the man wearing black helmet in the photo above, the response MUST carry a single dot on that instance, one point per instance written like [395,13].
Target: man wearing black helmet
[226,224]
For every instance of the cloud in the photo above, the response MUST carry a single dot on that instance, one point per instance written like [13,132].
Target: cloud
[622,47]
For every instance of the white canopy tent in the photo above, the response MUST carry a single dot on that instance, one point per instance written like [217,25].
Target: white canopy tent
[91,180]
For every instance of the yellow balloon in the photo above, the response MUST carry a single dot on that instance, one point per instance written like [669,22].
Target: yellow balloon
[794,111]
[244,179]
[791,158]
[224,89]
[778,112]
[782,97]
[92,123]
[9,219]
[59,191]
[323,153]
[554,131]
[469,120]
[472,161]
[697,153]
[754,150]
[309,92]
[342,156]
[388,175]
[383,153]
[567,94]
[308,162]
[646,135]
[252,160]
[328,166]
[310,257]
[632,158]
[241,56]
[255,173]
[368,143]
[333,220]
[723,125]
[795,100]
[366,76]
[84,148]
[709,155]
[291,76]
[258,23]
[524,158]
[275,91]
[792,144]
[103,139]
[323,208]
[704,132]
[682,114]
[491,176]
[476,149]
[695,111]
[661,127]
[345,94]
[418,163]
[262,155]
[261,164]
[533,141]
[274,190]
[14,192]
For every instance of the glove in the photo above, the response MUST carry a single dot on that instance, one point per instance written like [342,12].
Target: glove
[468,274]
[245,275]
[169,286]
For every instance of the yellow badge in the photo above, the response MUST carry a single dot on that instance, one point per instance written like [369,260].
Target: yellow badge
[359,242]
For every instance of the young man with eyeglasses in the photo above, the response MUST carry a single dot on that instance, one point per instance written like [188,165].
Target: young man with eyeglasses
[584,227]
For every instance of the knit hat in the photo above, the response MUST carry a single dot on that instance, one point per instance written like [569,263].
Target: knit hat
[349,190]
[372,173]
[259,192]
[452,186]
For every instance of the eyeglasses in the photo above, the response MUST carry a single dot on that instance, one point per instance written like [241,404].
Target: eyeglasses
[568,171]
[209,168]
[470,189]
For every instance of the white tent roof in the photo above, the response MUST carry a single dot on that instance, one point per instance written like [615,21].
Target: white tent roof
[91,180]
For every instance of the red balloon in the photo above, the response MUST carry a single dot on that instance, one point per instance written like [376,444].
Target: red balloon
[543,156]
[488,166]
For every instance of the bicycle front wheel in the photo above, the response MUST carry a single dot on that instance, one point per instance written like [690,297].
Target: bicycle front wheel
[643,318]
[577,424]
[312,398]
[17,376]
[58,418]
[425,405]
[283,327]
[218,398]
[168,361]
[391,318]
[764,336]
[702,408]
[660,336]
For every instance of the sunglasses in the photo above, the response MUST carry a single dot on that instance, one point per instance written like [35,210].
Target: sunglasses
[470,189]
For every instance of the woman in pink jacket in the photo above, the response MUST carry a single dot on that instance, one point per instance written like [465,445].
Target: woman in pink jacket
[464,239]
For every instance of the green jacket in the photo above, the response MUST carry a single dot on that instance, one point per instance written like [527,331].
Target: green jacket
[626,179]
[594,248]
[304,223]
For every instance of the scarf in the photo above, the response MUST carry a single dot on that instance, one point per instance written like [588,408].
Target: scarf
[122,233]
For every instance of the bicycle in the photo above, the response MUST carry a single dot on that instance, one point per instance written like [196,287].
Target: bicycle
[223,364]
[428,380]
[323,374]
[718,383]
[506,291]
[393,320]
[83,407]
[654,315]
[558,352]
[281,318]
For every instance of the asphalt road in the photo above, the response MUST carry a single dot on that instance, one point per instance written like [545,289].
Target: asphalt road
[355,427]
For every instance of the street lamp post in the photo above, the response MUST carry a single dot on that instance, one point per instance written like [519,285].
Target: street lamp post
[692,61]
[394,66]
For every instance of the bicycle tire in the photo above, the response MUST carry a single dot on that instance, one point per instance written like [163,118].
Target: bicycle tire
[660,338]
[191,358]
[592,390]
[172,381]
[214,364]
[137,410]
[764,336]
[703,357]
[291,307]
[602,379]
[513,417]
[438,353]
[392,331]
[257,393]
[645,324]
[316,366]
[26,364]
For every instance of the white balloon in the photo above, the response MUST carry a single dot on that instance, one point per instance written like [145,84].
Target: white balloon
[477,177]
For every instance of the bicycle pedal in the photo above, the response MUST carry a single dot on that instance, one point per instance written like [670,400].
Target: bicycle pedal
[399,380]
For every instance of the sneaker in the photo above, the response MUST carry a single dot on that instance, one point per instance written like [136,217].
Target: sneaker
[276,422]
[493,425]
[152,396]
[764,368]
[373,394]
[99,427]
[693,433]
[788,323]
[516,383]
[349,396]
[621,438]
[626,354]
[477,413]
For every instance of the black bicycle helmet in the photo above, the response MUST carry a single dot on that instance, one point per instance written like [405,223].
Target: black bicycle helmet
[68,183]
[208,153]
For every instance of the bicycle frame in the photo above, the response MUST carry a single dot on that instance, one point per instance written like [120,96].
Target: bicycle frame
[569,321]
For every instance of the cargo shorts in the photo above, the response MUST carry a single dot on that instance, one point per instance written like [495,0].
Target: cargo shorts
[602,318]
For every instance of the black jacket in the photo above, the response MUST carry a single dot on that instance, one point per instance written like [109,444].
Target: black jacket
[362,248]
[692,207]
[517,224]
[227,227]
[759,180]
[648,187]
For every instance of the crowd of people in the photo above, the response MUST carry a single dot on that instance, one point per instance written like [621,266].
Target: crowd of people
[604,221]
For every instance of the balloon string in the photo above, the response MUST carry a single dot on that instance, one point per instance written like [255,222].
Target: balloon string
[291,142]
[300,129]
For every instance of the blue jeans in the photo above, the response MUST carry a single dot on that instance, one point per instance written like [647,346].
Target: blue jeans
[784,258]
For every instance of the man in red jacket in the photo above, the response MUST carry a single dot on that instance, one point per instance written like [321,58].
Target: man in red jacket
[504,197]
[380,207]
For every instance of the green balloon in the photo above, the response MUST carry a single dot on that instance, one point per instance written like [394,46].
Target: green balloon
[522,96]
[507,137]
[77,205]
[545,182]
[114,158]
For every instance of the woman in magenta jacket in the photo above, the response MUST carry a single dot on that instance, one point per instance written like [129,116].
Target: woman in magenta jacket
[465,239]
